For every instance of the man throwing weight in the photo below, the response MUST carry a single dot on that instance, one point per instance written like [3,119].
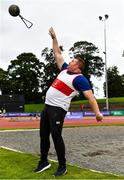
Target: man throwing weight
[58,98]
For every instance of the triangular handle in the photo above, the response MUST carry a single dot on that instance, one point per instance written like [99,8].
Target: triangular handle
[25,20]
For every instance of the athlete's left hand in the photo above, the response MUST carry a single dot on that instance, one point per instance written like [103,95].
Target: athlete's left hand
[99,117]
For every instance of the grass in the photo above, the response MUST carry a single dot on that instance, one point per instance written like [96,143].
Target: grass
[111,100]
[69,126]
[39,107]
[92,125]
[34,107]
[15,165]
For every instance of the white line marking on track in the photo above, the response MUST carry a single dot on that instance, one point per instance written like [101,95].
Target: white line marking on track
[16,130]
[11,149]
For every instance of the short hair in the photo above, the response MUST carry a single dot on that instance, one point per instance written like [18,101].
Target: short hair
[81,62]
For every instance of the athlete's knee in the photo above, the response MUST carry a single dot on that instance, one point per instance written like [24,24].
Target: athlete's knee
[56,133]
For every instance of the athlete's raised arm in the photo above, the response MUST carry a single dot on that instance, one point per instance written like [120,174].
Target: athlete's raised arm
[56,49]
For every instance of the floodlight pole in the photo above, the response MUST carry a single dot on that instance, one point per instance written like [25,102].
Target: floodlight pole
[123,54]
[105,53]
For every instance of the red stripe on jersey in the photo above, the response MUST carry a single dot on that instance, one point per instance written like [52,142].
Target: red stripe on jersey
[62,87]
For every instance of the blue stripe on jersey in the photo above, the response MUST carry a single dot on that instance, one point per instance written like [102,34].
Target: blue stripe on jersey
[80,83]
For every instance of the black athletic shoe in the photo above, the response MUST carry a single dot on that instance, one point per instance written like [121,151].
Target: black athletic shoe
[42,166]
[60,171]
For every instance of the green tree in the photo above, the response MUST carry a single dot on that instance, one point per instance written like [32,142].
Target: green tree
[89,52]
[3,83]
[115,83]
[2,75]
[24,75]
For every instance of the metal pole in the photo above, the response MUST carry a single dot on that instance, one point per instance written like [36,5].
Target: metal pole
[123,54]
[105,53]
[106,76]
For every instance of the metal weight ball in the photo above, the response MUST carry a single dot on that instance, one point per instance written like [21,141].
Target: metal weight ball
[14,10]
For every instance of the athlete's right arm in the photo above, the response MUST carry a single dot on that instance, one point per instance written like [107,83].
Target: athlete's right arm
[93,103]
[56,49]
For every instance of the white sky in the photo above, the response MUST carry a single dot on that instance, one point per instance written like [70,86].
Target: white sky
[73,20]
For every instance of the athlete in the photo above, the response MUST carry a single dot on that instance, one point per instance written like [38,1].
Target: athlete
[58,98]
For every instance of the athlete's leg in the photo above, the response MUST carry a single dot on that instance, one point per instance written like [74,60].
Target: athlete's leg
[56,116]
[44,135]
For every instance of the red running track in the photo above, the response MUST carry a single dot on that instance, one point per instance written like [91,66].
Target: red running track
[33,122]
